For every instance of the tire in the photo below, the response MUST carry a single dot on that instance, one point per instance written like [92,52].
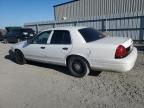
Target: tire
[19,57]
[78,66]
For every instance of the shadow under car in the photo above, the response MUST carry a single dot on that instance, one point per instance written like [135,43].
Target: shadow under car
[58,68]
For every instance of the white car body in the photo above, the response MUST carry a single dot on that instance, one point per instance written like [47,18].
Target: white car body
[100,54]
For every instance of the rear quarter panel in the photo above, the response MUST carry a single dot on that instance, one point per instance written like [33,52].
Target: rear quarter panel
[101,52]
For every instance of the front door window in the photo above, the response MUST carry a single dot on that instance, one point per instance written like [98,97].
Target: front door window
[42,38]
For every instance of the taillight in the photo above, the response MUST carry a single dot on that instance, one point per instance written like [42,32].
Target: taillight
[121,52]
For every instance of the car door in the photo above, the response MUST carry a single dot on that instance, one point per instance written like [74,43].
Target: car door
[35,50]
[59,47]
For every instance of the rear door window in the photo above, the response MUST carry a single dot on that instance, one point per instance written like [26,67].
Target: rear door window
[61,37]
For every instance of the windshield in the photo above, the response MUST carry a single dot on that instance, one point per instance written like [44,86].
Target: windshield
[90,34]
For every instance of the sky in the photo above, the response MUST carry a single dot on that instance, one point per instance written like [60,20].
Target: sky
[18,12]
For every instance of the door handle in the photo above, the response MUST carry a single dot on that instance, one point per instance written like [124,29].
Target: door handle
[65,48]
[42,47]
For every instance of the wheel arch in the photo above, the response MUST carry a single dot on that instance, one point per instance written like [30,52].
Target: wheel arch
[83,57]
[17,50]
[20,51]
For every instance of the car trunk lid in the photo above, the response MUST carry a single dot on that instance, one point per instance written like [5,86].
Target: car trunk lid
[111,40]
[126,42]
[115,42]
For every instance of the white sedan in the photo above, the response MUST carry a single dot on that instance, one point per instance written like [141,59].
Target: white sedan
[81,49]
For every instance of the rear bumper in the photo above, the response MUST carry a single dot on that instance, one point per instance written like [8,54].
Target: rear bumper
[119,65]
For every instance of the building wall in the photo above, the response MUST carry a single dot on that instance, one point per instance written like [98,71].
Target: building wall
[118,17]
[126,26]
[89,8]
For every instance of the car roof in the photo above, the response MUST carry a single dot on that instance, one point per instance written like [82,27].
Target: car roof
[66,28]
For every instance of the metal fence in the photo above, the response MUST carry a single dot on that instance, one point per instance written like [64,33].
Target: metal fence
[123,25]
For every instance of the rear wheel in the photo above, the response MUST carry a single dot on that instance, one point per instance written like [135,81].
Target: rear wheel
[78,66]
[19,57]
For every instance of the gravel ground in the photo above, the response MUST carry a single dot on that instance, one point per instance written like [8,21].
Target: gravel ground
[36,85]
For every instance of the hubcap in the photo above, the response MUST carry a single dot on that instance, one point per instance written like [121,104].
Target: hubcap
[77,67]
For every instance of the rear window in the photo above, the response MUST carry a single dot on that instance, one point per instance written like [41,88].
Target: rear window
[90,34]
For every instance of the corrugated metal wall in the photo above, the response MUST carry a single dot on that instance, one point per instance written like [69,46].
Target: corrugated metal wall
[118,17]
[130,26]
[91,8]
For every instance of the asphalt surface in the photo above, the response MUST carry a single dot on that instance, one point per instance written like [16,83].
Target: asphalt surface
[37,85]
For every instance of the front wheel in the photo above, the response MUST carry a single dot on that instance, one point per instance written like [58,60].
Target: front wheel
[78,66]
[19,57]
